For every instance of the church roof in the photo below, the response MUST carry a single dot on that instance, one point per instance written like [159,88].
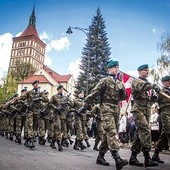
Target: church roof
[31,28]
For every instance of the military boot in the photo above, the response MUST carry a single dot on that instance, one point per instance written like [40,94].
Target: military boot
[65,143]
[95,147]
[71,142]
[120,163]
[100,159]
[31,143]
[6,135]
[156,157]
[76,145]
[11,137]
[42,140]
[2,133]
[81,145]
[133,160]
[60,148]
[148,161]
[52,144]
[26,143]
[87,143]
[18,139]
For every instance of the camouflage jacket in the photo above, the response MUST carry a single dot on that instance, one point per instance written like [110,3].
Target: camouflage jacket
[111,92]
[164,102]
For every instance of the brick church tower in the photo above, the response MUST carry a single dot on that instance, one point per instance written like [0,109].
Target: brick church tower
[28,48]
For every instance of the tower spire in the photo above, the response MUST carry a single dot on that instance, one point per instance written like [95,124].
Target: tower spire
[32,18]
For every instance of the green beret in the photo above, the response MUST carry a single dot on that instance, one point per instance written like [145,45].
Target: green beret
[35,82]
[15,95]
[23,90]
[81,91]
[112,64]
[143,67]
[59,86]
[166,78]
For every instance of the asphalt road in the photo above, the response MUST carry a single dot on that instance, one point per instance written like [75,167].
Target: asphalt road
[17,157]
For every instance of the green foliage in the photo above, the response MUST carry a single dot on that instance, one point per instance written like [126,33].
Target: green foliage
[95,55]
[163,63]
[22,71]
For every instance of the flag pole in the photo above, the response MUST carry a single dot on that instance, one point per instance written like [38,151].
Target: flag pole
[161,92]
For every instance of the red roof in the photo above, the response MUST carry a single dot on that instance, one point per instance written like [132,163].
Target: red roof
[59,78]
[30,30]
[40,78]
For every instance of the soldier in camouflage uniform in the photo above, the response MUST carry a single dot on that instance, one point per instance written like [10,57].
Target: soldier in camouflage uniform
[96,112]
[164,104]
[111,91]
[22,111]
[141,112]
[77,104]
[1,121]
[41,120]
[31,98]
[56,105]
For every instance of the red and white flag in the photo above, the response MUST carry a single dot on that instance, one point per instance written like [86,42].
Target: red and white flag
[127,81]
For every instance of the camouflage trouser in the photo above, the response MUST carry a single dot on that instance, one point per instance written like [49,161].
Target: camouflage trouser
[78,126]
[164,139]
[51,129]
[6,124]
[41,127]
[64,129]
[23,124]
[29,125]
[1,123]
[11,125]
[100,132]
[69,128]
[35,123]
[142,139]
[18,125]
[57,129]
[109,138]
[84,129]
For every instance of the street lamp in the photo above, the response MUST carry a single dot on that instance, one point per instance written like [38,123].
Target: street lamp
[85,30]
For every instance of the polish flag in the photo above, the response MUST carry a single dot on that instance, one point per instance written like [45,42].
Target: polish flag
[127,81]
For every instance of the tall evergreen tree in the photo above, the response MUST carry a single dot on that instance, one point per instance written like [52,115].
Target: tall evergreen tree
[95,54]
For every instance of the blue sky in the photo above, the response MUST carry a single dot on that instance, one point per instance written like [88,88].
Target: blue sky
[133,27]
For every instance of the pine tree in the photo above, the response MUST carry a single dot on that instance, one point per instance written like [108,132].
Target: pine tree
[95,55]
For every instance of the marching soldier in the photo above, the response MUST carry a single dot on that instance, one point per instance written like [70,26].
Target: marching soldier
[31,97]
[111,91]
[141,112]
[77,104]
[164,104]
[56,103]
[96,112]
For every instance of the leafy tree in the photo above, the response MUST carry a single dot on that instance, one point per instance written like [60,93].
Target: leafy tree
[10,86]
[163,63]
[22,70]
[95,54]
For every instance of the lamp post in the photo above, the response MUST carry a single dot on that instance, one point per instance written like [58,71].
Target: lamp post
[85,30]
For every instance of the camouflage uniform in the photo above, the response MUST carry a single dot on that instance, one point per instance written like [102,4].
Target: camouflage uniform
[164,139]
[141,112]
[96,112]
[55,102]
[111,91]
[77,104]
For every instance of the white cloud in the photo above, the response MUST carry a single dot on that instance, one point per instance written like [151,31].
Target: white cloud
[48,48]
[48,61]
[154,30]
[74,68]
[60,44]
[5,51]
[44,36]
[133,73]
[18,34]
